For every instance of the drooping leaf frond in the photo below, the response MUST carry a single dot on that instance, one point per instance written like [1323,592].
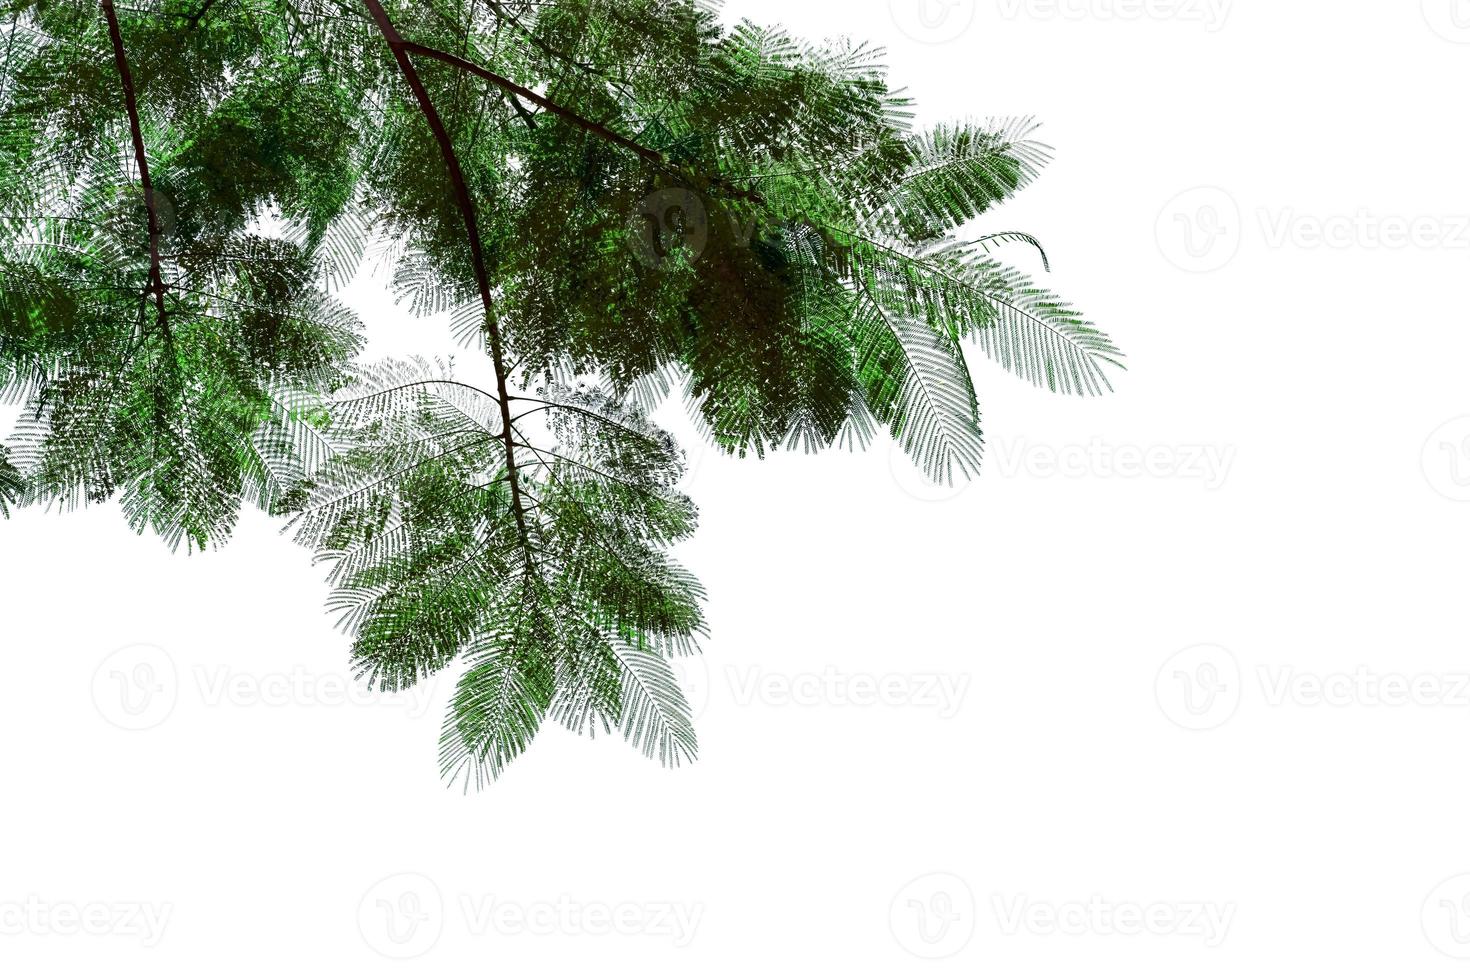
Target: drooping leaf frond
[1027,330]
[506,691]
[915,381]
[415,515]
[957,174]
[11,484]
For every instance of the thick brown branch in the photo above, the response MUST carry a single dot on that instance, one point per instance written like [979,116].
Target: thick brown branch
[421,95]
[198,15]
[581,122]
[155,229]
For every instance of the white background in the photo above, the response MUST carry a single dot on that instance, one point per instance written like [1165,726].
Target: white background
[1209,814]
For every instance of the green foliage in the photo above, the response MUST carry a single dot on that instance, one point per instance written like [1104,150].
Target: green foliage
[616,201]
[573,617]
[11,485]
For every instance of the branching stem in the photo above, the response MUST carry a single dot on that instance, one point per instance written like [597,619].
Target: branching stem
[198,15]
[401,49]
[155,229]
[597,129]
[581,122]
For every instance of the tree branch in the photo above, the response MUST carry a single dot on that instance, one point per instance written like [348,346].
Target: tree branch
[155,231]
[400,49]
[198,15]
[581,122]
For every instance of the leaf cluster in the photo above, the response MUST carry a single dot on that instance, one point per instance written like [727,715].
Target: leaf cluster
[615,202]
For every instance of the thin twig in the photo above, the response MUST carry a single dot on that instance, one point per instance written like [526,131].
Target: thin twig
[555,108]
[602,132]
